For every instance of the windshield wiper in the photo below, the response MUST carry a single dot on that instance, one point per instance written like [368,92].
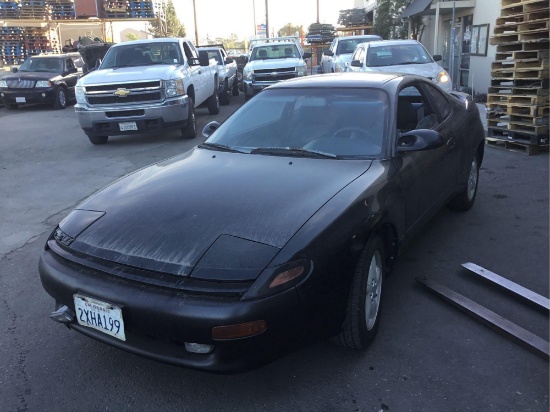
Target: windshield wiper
[404,63]
[222,148]
[293,151]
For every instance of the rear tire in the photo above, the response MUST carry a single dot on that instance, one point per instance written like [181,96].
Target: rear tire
[98,139]
[224,97]
[60,98]
[190,130]
[213,102]
[363,309]
[235,90]
[464,200]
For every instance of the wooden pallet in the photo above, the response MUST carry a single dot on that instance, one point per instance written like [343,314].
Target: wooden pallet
[512,146]
[517,136]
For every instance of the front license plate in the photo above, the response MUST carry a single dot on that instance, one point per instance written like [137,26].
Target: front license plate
[127,126]
[99,315]
[20,100]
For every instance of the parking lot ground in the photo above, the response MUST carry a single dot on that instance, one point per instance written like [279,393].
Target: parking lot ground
[428,356]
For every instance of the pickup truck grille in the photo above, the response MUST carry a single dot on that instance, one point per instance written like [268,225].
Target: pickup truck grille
[23,84]
[274,75]
[124,93]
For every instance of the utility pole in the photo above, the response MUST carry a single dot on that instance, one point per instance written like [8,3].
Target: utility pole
[196,29]
[254,11]
[453,45]
[317,11]
[266,20]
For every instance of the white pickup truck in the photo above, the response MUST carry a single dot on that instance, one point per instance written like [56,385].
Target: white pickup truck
[145,86]
[227,71]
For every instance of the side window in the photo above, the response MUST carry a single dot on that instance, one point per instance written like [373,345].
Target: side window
[224,56]
[414,110]
[333,45]
[357,54]
[439,100]
[69,64]
[361,56]
[190,52]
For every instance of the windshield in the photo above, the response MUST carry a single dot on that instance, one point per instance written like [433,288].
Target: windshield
[274,52]
[344,123]
[397,54]
[349,45]
[42,64]
[143,54]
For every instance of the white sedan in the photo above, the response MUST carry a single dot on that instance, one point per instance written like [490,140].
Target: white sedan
[400,56]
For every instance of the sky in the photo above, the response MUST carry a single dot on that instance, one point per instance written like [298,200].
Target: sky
[220,18]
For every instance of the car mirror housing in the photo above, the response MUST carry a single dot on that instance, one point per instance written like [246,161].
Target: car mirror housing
[203,58]
[306,55]
[356,63]
[210,128]
[437,57]
[229,60]
[420,139]
[14,69]
[329,53]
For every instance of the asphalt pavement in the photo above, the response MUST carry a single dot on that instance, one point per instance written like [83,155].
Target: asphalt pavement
[428,355]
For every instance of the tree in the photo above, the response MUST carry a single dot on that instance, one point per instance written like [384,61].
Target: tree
[174,26]
[290,30]
[388,23]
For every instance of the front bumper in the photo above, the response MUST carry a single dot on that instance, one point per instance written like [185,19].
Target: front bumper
[159,320]
[105,120]
[11,96]
[251,88]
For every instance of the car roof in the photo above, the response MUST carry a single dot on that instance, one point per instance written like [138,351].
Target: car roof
[363,36]
[381,43]
[347,80]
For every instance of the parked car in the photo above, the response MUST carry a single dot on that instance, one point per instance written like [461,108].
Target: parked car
[49,79]
[144,86]
[276,231]
[273,60]
[402,56]
[338,57]
[227,71]
[92,55]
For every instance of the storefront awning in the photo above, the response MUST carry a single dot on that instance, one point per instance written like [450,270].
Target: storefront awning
[415,7]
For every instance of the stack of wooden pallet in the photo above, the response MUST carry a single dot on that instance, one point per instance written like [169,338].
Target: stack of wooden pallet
[518,101]
[35,10]
[9,9]
[62,9]
[142,10]
[12,49]
[40,40]
[116,9]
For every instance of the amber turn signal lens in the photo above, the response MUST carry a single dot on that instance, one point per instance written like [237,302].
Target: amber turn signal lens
[242,330]
[287,276]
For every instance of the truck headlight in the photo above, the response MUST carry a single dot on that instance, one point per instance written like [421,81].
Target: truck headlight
[174,87]
[247,73]
[79,94]
[3,83]
[43,83]
[443,77]
[302,70]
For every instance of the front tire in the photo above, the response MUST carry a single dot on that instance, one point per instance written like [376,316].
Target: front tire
[235,90]
[464,200]
[190,130]
[363,309]
[60,98]
[98,139]
[213,102]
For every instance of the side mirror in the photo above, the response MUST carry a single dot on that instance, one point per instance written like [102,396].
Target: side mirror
[14,69]
[210,128]
[356,63]
[203,58]
[72,70]
[421,139]
[437,57]
[229,60]
[306,55]
[328,53]
[84,69]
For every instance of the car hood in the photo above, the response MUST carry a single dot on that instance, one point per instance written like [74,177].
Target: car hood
[129,74]
[32,76]
[274,63]
[343,58]
[240,208]
[429,70]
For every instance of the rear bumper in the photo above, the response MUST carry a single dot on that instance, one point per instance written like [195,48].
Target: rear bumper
[158,321]
[105,120]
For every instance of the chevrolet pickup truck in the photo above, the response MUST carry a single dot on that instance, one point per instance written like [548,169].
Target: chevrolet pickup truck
[272,60]
[227,71]
[144,86]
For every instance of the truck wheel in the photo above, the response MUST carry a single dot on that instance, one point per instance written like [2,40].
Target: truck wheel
[224,97]
[235,90]
[98,139]
[60,98]
[190,130]
[213,102]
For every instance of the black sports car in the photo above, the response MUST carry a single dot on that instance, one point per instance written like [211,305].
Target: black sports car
[41,79]
[276,231]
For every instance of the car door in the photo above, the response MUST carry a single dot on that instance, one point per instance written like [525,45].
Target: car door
[72,77]
[327,61]
[195,73]
[426,175]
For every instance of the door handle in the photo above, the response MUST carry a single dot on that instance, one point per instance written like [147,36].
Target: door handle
[451,142]
[200,72]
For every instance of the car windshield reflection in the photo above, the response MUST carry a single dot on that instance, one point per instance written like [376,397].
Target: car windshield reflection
[320,123]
